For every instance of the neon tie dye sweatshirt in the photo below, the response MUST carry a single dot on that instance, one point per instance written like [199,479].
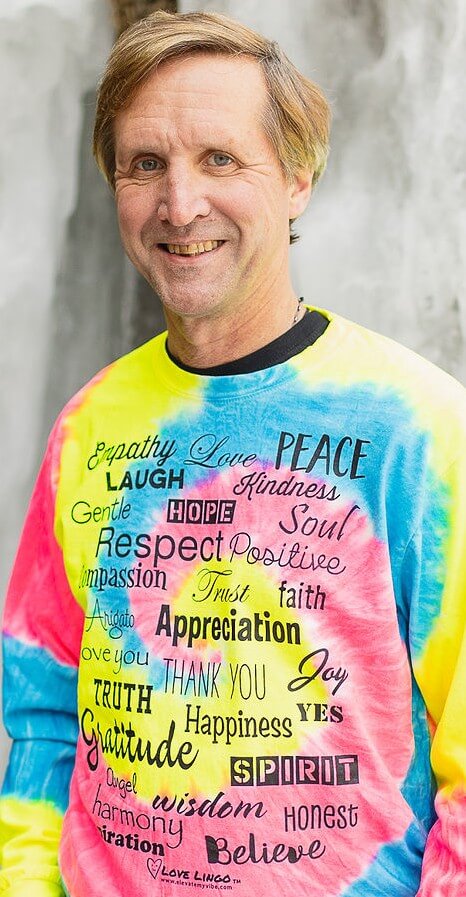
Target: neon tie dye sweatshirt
[236,626]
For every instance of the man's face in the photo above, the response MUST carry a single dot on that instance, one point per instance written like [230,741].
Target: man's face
[203,204]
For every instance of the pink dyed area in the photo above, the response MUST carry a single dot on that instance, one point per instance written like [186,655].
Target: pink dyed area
[89,866]
[40,609]
[340,856]
[443,869]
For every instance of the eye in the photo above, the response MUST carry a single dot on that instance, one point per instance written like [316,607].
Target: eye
[148,165]
[220,160]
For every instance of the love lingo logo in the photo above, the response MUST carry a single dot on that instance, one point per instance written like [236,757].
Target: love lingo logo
[154,866]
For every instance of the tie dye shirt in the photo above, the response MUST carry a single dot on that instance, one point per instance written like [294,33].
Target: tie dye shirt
[236,624]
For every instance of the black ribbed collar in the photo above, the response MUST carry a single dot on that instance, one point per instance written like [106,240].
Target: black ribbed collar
[303,334]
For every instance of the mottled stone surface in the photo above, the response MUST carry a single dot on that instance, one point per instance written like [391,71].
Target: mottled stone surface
[125,12]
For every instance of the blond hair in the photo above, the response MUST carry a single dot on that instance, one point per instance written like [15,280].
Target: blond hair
[296,117]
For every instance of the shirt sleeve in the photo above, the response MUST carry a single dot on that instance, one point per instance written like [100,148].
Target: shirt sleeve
[439,661]
[42,630]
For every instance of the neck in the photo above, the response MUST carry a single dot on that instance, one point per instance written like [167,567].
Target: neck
[209,341]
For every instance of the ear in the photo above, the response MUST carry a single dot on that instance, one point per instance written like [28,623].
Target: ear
[300,193]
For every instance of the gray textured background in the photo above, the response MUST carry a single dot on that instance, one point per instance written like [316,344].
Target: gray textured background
[382,242]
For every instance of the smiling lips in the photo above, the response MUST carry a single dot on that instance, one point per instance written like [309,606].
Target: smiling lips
[192,248]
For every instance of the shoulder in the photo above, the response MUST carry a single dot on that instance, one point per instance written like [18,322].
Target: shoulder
[385,379]
[114,392]
[123,377]
[387,363]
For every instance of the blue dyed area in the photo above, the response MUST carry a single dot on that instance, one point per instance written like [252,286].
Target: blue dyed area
[407,496]
[424,570]
[365,412]
[395,871]
[419,787]
[40,698]
[390,490]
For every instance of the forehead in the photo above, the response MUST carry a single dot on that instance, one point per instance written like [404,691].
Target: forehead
[201,90]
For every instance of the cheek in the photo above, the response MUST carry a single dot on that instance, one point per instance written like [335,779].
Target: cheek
[133,210]
[269,210]
[126,219]
[237,200]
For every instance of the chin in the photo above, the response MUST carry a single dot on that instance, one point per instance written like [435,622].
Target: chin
[190,305]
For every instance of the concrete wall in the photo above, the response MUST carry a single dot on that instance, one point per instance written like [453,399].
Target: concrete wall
[52,53]
[380,242]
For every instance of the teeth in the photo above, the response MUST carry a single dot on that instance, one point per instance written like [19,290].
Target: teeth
[192,248]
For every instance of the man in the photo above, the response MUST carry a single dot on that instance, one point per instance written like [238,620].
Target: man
[245,552]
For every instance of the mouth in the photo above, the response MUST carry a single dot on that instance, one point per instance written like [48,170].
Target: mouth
[190,249]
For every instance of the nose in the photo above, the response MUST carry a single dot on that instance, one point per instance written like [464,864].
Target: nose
[182,198]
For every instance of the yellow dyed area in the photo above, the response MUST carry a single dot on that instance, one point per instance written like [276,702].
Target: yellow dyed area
[251,684]
[133,405]
[441,671]
[31,828]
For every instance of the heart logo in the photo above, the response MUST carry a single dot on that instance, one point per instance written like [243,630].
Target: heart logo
[154,866]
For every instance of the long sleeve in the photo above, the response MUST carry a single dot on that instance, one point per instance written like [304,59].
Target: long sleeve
[41,639]
[438,563]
